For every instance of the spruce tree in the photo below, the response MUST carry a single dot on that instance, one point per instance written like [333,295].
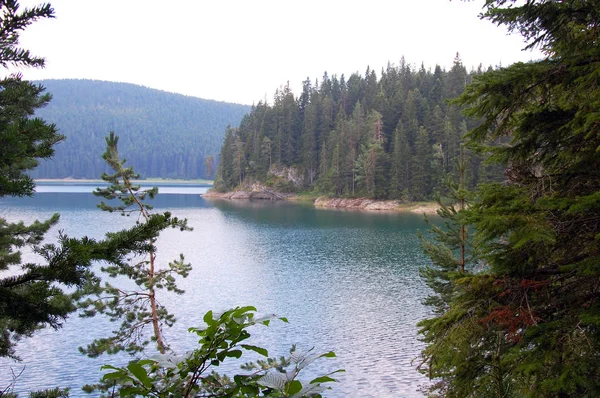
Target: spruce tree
[527,323]
[309,141]
[400,164]
[448,358]
[40,292]
[225,178]
[421,181]
[33,295]
[209,167]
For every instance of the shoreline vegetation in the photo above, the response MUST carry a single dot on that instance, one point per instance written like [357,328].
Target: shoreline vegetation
[325,202]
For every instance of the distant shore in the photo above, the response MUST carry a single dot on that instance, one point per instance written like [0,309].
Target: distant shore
[149,180]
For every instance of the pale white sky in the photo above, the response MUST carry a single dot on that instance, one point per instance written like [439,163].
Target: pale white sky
[243,50]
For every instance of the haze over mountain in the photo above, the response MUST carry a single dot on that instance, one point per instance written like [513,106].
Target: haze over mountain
[161,134]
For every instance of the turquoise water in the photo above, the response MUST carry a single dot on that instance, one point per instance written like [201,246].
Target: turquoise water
[347,282]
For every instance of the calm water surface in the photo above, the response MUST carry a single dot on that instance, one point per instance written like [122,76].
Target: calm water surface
[347,282]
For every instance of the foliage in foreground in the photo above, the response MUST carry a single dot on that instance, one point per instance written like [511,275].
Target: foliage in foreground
[192,375]
[527,323]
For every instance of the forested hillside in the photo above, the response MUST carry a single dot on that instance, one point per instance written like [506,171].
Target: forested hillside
[164,134]
[387,136]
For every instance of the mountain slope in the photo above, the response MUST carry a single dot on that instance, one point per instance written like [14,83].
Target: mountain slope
[162,134]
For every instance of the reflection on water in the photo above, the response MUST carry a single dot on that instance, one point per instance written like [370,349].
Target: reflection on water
[87,187]
[64,197]
[347,281]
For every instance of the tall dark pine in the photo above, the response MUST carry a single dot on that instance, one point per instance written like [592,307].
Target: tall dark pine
[533,307]
[422,171]
[401,163]
[33,296]
[448,334]
[36,294]
[225,178]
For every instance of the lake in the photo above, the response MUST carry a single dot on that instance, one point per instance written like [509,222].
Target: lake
[347,281]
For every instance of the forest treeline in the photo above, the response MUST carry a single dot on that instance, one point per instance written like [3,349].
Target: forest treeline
[392,136]
[164,134]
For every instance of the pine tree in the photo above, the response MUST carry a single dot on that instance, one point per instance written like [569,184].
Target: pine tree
[401,164]
[33,296]
[527,323]
[226,178]
[209,166]
[356,138]
[449,358]
[239,160]
[266,151]
[136,308]
[421,179]
[39,294]
[310,140]
[324,182]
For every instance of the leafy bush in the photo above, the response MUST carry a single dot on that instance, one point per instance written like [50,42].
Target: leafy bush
[192,375]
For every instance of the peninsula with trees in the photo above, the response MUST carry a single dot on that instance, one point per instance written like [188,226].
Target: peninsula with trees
[391,135]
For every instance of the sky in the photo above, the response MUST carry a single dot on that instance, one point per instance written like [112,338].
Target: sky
[242,51]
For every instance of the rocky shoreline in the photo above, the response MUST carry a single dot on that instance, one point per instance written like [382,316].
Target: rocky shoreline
[247,195]
[327,202]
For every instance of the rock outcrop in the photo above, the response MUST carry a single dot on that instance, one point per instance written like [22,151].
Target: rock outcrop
[358,203]
[255,191]
[289,174]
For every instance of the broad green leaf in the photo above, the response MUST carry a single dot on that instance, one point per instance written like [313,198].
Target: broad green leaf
[323,379]
[239,379]
[208,318]
[110,367]
[234,354]
[243,310]
[251,391]
[260,350]
[129,391]
[113,375]
[140,373]
[294,387]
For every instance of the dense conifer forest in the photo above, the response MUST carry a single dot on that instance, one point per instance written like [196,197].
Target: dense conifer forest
[165,135]
[391,135]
